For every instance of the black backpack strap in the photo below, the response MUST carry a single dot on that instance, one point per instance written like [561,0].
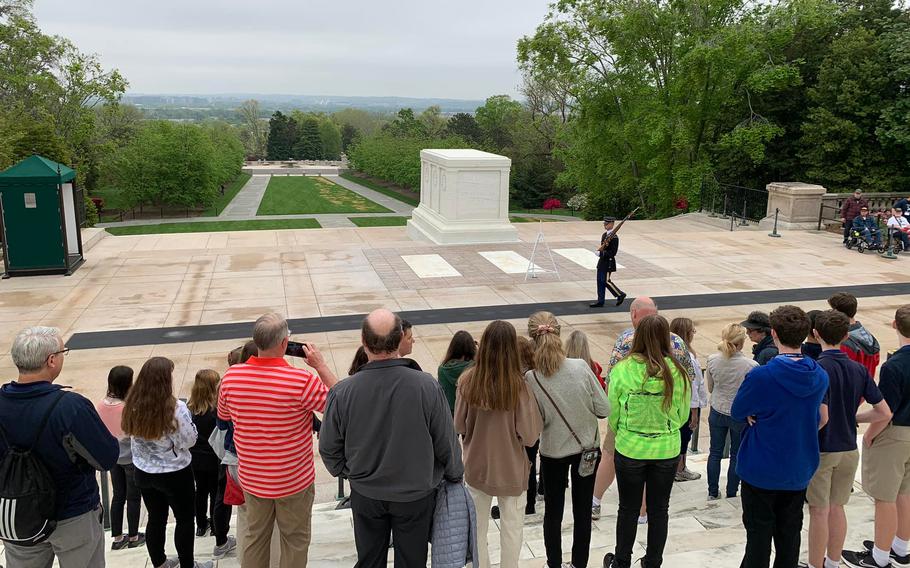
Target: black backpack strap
[47,417]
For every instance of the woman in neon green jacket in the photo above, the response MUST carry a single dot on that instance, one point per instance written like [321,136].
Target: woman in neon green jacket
[649,400]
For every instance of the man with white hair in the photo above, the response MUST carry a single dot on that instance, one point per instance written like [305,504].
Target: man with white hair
[65,433]
[271,405]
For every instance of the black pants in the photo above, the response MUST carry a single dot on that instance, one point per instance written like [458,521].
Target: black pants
[685,433]
[161,491]
[771,515]
[206,478]
[556,474]
[631,477]
[532,477]
[604,283]
[221,517]
[409,523]
[126,494]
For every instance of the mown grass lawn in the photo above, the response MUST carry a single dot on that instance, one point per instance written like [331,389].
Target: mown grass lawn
[215,226]
[379,221]
[383,190]
[531,220]
[295,195]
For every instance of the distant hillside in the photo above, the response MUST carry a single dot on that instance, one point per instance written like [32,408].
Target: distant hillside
[195,107]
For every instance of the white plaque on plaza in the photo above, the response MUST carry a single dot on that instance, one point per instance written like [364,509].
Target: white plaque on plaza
[464,198]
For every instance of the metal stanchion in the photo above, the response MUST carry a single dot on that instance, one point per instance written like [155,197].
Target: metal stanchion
[343,502]
[743,222]
[105,502]
[774,232]
[889,254]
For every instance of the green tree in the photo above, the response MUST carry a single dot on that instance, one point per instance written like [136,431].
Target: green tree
[330,137]
[309,141]
[282,137]
[497,119]
[349,134]
[254,131]
[464,125]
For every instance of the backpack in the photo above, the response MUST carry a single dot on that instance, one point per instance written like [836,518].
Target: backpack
[28,497]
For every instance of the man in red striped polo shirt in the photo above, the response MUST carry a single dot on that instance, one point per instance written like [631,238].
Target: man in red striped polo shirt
[271,405]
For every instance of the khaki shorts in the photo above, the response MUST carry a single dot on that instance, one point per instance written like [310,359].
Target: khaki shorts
[833,479]
[886,465]
[609,445]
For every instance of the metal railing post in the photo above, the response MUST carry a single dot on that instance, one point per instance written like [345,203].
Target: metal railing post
[743,222]
[774,232]
[105,502]
[713,212]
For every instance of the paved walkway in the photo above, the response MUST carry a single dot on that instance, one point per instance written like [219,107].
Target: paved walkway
[246,202]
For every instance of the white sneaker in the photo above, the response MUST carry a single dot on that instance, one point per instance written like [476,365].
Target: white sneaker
[643,520]
[228,547]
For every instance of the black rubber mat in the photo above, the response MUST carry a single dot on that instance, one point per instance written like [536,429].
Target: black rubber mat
[212,332]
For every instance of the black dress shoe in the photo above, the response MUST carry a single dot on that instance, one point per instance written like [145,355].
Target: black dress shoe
[608,560]
[620,299]
[596,305]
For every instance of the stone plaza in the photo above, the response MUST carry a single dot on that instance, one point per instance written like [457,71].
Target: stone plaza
[172,288]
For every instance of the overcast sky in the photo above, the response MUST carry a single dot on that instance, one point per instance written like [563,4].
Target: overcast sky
[416,48]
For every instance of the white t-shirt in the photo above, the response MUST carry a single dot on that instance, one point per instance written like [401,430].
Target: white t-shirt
[899,223]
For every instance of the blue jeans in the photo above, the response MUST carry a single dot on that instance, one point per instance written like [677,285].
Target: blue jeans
[720,425]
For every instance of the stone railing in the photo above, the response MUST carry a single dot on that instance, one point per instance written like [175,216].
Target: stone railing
[808,206]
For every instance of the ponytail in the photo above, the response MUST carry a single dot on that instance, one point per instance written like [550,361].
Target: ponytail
[733,337]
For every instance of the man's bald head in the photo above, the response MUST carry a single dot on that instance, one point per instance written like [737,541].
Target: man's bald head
[381,332]
[641,307]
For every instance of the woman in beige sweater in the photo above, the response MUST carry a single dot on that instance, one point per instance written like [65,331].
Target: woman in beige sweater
[497,413]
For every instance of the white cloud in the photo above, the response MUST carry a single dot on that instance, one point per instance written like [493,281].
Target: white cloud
[420,48]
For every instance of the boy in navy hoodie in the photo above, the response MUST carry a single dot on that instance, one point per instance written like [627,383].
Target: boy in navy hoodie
[886,462]
[782,402]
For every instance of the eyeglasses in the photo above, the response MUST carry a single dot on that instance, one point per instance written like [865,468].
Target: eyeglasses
[63,351]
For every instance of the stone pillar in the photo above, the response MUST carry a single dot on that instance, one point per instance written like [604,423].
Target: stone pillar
[799,204]
[464,198]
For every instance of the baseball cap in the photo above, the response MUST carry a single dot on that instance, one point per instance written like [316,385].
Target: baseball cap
[757,320]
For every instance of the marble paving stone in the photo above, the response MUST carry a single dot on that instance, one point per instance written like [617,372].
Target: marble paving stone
[430,266]
[510,262]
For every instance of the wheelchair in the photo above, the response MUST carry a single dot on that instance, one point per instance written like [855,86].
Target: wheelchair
[855,240]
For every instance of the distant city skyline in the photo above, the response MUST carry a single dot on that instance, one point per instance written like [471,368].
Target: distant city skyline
[409,48]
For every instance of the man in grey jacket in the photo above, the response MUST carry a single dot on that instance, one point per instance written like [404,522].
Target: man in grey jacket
[388,430]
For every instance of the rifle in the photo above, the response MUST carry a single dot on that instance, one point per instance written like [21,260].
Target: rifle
[607,240]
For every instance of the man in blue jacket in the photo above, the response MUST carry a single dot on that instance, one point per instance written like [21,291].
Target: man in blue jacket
[868,227]
[782,402]
[74,444]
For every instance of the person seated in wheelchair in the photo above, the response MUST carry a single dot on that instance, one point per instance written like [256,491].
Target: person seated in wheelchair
[899,227]
[867,228]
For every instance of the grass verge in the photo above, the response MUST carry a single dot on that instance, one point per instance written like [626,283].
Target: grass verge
[295,195]
[531,220]
[383,190]
[215,226]
[379,221]
[563,211]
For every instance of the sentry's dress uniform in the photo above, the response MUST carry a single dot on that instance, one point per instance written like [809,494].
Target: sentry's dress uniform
[606,266]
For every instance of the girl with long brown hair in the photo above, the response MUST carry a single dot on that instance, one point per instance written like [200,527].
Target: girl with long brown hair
[459,356]
[206,466]
[570,400]
[497,414]
[649,394]
[161,434]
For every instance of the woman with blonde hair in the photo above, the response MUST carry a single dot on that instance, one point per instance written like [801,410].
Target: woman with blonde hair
[725,373]
[161,434]
[649,394]
[497,414]
[571,401]
[577,347]
[207,468]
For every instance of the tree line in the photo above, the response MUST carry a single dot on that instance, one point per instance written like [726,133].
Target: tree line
[63,104]
[663,97]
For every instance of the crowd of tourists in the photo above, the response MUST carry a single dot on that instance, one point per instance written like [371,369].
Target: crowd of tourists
[426,458]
